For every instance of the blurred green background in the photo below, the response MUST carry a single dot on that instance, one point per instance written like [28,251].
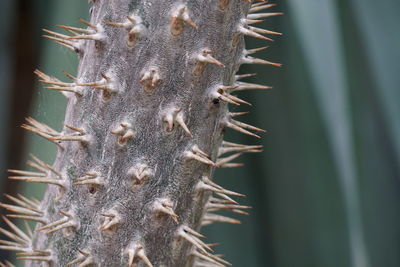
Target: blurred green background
[326,189]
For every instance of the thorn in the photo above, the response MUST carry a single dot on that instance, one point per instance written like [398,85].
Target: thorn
[62,39]
[197,154]
[226,199]
[210,218]
[165,206]
[66,222]
[252,21]
[21,210]
[105,84]
[222,93]
[256,8]
[112,219]
[204,58]
[264,31]
[35,258]
[179,18]
[137,253]
[84,259]
[127,25]
[263,15]
[79,130]
[40,129]
[236,114]
[241,86]
[214,205]
[95,32]
[90,178]
[210,259]
[21,241]
[192,236]
[261,2]
[69,76]
[197,150]
[242,76]
[88,24]
[206,184]
[254,34]
[134,28]
[56,84]
[6,263]
[237,99]
[150,79]
[25,217]
[223,4]
[222,162]
[228,147]
[134,35]
[42,166]
[248,126]
[175,116]
[255,50]
[239,129]
[36,255]
[38,180]
[253,60]
[125,132]
[140,173]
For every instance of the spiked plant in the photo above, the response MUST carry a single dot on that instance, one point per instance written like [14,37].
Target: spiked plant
[132,181]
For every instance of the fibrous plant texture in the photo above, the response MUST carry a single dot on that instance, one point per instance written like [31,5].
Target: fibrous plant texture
[132,181]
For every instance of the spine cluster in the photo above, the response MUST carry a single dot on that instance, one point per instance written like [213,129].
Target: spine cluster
[132,181]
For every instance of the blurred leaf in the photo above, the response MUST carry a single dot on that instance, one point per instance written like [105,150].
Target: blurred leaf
[319,31]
